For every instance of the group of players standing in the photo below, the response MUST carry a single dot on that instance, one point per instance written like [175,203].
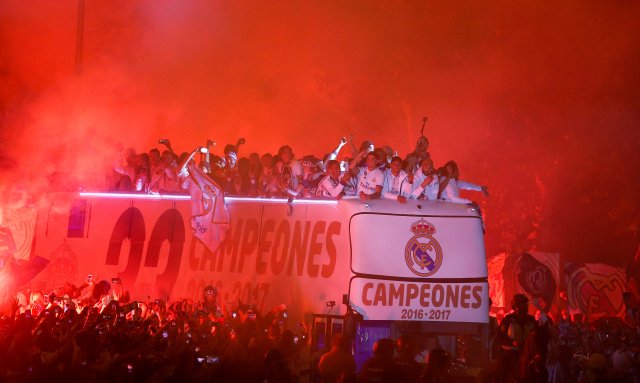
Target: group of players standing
[370,174]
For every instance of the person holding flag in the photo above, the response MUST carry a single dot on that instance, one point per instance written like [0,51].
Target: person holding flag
[210,218]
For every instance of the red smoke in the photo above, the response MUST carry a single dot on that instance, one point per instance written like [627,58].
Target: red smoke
[537,101]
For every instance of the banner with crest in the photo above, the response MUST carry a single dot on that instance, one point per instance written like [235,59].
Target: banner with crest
[534,274]
[595,289]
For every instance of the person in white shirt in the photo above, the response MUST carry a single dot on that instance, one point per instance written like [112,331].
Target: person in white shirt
[450,185]
[370,178]
[426,182]
[396,183]
[289,161]
[333,184]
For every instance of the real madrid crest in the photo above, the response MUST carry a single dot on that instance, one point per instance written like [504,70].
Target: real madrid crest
[423,253]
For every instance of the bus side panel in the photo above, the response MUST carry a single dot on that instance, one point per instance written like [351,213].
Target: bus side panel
[273,254]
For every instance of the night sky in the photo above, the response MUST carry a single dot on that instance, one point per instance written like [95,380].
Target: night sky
[540,101]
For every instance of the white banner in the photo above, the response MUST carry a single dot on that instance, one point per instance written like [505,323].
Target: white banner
[413,247]
[378,299]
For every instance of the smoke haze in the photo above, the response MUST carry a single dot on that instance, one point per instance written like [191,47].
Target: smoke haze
[537,101]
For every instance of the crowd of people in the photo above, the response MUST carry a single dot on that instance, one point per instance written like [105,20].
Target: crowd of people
[95,333]
[368,173]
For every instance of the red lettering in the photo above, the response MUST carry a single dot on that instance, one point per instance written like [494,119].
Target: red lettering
[452,296]
[230,245]
[207,256]
[464,301]
[194,261]
[327,269]
[396,293]
[412,292]
[249,241]
[425,294]
[169,227]
[277,265]
[476,292]
[315,248]
[365,290]
[130,225]
[298,248]
[381,295]
[437,295]
[263,245]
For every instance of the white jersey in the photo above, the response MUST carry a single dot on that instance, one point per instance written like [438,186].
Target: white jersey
[395,186]
[329,187]
[451,192]
[430,191]
[368,180]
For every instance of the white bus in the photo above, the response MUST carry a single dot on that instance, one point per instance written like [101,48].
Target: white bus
[410,268]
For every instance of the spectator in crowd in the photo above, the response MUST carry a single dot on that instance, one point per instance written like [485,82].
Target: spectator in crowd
[338,365]
[380,367]
[397,184]
[437,368]
[513,332]
[405,360]
[431,342]
[277,369]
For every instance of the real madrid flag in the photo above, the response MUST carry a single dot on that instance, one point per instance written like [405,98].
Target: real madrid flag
[210,219]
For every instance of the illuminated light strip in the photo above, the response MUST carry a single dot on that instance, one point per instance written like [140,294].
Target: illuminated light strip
[187,198]
[282,200]
[136,196]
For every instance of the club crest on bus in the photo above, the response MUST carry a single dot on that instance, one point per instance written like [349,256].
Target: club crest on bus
[423,253]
